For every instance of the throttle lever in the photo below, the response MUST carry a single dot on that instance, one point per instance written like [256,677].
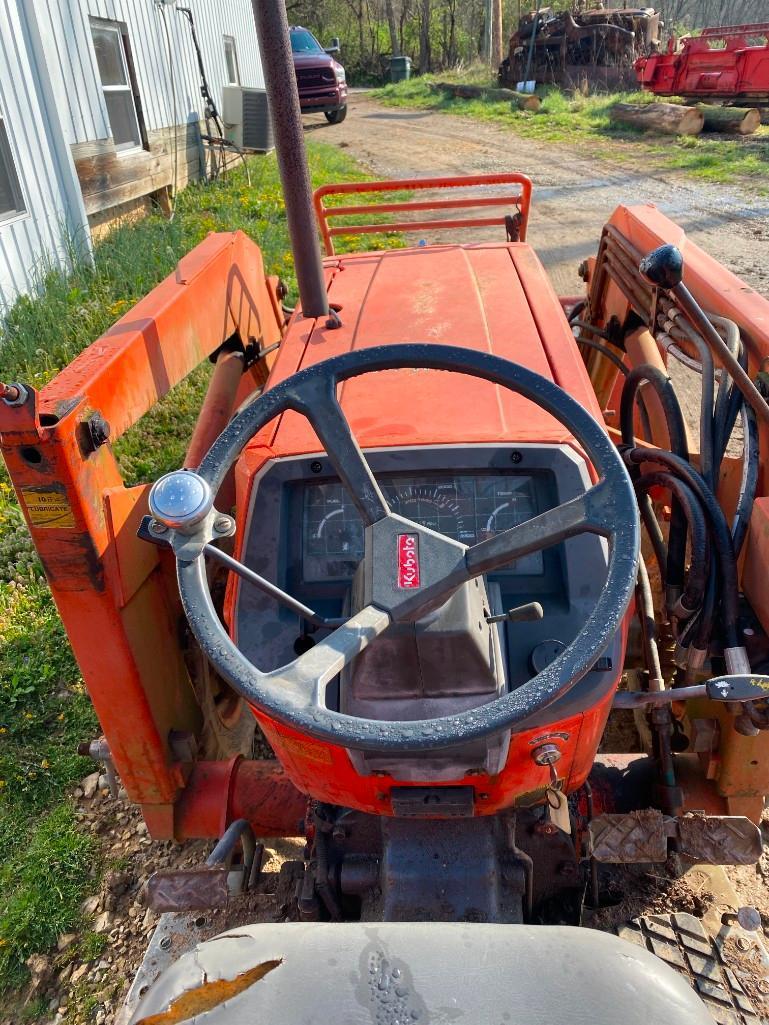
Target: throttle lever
[520,614]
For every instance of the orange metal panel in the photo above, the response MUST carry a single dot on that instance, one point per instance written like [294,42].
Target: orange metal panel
[475,296]
[116,596]
[219,288]
[325,770]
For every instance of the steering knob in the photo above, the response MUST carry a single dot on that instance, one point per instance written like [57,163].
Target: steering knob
[663,267]
[180,499]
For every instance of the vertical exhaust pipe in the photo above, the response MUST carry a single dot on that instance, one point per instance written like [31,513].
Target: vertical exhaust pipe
[283,96]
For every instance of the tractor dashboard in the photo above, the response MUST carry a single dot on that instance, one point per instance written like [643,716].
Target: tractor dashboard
[303,533]
[468,507]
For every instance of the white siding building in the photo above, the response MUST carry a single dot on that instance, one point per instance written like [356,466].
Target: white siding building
[101,111]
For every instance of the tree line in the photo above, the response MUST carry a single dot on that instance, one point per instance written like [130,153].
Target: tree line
[439,34]
[698,14]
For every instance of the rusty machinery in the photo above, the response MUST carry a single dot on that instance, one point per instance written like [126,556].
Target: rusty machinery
[592,47]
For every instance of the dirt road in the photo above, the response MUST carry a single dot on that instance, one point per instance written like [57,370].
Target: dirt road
[574,193]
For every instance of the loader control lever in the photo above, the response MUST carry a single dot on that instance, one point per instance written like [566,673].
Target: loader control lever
[408,570]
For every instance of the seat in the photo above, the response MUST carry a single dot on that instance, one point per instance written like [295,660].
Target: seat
[418,973]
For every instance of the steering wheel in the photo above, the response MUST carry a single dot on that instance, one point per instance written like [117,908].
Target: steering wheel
[295,693]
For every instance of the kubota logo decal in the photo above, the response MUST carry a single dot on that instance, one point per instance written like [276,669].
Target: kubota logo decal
[408,560]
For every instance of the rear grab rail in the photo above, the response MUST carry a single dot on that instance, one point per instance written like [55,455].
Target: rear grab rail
[520,200]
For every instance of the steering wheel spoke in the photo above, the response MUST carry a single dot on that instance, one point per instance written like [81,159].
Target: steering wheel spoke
[318,666]
[587,513]
[316,400]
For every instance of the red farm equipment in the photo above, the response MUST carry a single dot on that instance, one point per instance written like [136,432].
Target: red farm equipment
[410,541]
[730,65]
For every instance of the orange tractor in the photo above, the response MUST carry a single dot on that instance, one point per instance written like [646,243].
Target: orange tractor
[406,542]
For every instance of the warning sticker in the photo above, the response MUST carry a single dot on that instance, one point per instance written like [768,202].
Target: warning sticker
[315,751]
[48,508]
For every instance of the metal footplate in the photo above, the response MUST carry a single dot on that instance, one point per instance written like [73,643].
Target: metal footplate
[644,837]
[730,973]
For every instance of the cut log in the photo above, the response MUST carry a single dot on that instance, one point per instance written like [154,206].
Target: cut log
[668,118]
[520,101]
[732,120]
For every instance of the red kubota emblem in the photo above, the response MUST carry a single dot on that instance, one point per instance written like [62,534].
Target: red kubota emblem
[408,560]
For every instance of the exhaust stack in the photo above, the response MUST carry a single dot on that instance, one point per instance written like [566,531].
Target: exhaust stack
[283,96]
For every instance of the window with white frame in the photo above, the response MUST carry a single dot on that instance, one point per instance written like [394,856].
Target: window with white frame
[231,60]
[11,198]
[110,42]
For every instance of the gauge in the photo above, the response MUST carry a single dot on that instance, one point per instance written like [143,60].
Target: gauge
[431,505]
[466,507]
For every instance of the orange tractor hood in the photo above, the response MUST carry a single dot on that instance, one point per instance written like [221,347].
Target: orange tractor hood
[496,298]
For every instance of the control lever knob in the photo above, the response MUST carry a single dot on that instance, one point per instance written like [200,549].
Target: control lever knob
[520,614]
[663,267]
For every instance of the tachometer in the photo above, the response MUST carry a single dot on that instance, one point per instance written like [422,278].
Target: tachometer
[431,505]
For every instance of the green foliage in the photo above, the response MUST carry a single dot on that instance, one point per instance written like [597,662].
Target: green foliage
[18,561]
[42,886]
[577,118]
[455,34]
[44,712]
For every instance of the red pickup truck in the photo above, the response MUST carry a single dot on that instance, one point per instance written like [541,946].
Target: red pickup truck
[321,79]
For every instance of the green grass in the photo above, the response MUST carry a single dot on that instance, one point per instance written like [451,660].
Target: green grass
[44,710]
[43,882]
[585,120]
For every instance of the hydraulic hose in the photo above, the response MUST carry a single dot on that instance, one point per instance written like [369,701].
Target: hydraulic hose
[749,479]
[651,523]
[592,343]
[614,359]
[707,394]
[662,385]
[699,566]
[720,533]
[726,391]
[728,405]
[698,640]
[730,401]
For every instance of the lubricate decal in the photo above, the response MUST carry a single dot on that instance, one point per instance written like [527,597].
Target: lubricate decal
[48,507]
[408,561]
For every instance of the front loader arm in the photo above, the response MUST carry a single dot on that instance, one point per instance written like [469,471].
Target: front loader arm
[115,593]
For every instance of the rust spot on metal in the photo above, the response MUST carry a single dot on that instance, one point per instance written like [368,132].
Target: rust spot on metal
[209,995]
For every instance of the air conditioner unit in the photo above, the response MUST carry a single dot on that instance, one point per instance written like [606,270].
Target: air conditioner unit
[246,116]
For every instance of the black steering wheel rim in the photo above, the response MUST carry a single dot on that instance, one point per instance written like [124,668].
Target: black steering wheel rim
[293,694]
